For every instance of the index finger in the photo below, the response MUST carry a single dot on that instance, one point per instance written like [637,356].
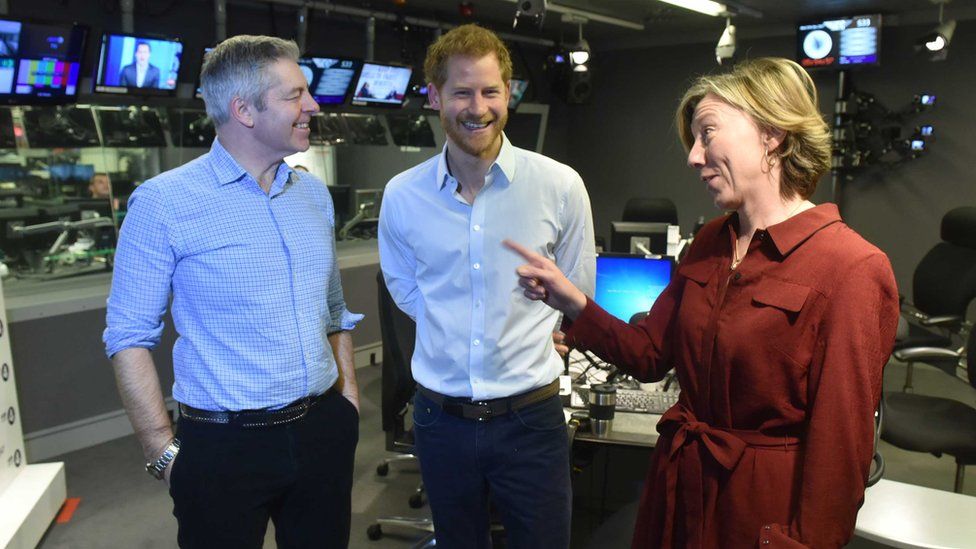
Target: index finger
[526,253]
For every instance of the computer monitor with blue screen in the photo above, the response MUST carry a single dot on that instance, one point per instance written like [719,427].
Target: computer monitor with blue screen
[629,284]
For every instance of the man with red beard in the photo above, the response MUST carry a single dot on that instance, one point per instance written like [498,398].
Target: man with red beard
[487,418]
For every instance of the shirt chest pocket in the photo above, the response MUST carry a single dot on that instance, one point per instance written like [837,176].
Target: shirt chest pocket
[780,313]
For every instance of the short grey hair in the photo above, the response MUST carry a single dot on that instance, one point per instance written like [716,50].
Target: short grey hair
[238,67]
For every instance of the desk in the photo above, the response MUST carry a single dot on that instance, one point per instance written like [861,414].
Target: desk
[629,429]
[909,516]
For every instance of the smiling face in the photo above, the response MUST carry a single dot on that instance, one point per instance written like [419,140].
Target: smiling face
[282,127]
[728,153]
[473,105]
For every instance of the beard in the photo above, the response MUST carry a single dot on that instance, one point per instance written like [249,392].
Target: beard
[474,145]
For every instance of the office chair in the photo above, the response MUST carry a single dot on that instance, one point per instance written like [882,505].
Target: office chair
[397,331]
[943,286]
[650,210]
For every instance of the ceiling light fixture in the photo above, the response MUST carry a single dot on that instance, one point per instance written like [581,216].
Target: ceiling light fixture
[936,43]
[579,53]
[707,7]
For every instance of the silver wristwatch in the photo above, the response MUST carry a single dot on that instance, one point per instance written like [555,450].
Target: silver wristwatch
[158,467]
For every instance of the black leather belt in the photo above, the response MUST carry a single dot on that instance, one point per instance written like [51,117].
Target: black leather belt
[483,410]
[254,418]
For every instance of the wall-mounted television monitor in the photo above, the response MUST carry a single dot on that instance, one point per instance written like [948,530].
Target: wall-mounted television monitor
[382,85]
[840,42]
[516,88]
[39,63]
[138,65]
[329,78]
[199,93]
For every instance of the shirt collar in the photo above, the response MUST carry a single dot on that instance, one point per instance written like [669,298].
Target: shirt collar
[227,169]
[789,234]
[505,162]
[224,166]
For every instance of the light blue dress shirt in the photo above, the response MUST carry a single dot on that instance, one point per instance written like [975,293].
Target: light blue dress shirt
[444,263]
[253,278]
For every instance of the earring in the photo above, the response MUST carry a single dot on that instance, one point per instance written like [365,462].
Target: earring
[770,161]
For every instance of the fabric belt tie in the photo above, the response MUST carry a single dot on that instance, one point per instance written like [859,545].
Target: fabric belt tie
[483,410]
[689,437]
[254,418]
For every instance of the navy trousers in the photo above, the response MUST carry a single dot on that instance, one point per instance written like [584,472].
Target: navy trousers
[227,482]
[519,460]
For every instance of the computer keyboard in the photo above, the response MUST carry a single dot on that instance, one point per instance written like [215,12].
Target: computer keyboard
[633,400]
[636,400]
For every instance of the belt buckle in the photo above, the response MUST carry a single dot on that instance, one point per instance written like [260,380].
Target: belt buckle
[483,410]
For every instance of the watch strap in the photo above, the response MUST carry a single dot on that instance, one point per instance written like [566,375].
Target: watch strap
[157,468]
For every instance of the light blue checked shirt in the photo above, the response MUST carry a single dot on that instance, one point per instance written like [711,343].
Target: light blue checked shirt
[477,335]
[253,277]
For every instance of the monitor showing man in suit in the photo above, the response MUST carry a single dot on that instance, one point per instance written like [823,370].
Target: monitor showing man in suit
[138,65]
[140,73]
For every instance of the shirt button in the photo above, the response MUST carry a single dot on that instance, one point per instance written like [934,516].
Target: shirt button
[761,236]
[477,304]
[476,342]
[476,266]
[477,227]
[737,276]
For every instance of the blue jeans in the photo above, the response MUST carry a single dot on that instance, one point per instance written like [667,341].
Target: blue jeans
[520,460]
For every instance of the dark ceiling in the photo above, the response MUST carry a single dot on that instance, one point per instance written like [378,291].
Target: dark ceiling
[667,24]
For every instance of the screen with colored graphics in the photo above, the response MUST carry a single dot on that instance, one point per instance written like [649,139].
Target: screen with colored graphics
[39,63]
[329,78]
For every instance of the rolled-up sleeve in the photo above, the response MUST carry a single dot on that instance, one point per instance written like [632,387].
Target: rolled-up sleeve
[145,259]
[340,318]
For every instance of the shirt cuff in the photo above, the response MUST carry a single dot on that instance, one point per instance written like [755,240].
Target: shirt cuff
[347,321]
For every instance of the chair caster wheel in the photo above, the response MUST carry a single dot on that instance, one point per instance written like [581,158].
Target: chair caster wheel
[416,501]
[383,469]
[374,532]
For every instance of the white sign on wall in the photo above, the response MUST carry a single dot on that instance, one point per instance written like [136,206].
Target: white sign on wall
[11,437]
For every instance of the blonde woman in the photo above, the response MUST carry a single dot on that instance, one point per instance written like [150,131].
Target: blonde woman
[778,323]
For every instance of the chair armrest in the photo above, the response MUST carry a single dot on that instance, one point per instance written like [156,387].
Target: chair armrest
[945,321]
[925,353]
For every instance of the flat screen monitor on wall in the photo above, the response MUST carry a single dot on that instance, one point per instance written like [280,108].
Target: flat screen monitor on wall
[329,78]
[199,93]
[517,88]
[138,65]
[840,42]
[39,63]
[382,85]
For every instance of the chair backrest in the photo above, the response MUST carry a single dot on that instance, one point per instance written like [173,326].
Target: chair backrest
[651,210]
[945,280]
[398,332]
